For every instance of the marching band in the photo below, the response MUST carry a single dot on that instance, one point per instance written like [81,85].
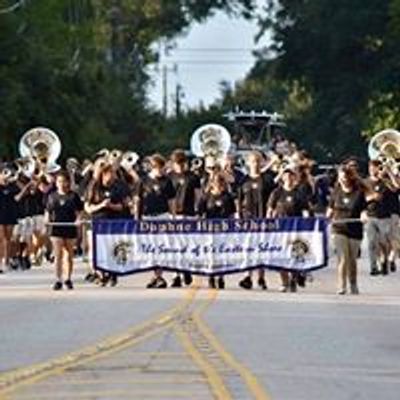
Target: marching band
[45,210]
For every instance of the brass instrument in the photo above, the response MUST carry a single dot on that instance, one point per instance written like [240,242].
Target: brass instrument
[211,142]
[43,146]
[385,147]
[129,160]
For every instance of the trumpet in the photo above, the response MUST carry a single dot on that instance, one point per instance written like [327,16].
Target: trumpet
[129,160]
[196,164]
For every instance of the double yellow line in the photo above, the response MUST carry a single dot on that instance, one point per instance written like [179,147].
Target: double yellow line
[216,382]
[175,319]
[13,380]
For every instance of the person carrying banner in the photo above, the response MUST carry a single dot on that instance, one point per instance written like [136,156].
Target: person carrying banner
[347,202]
[187,187]
[63,207]
[253,197]
[107,198]
[157,201]
[287,201]
[217,202]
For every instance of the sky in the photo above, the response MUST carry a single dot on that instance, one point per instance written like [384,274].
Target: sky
[218,50]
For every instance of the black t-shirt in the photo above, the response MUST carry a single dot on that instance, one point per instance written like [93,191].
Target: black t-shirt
[217,206]
[381,207]
[155,194]
[288,203]
[8,204]
[36,202]
[185,186]
[117,192]
[348,205]
[254,194]
[394,202]
[63,207]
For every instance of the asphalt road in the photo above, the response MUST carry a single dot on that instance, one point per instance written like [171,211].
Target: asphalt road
[131,343]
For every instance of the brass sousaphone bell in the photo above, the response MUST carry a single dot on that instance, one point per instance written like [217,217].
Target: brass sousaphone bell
[43,146]
[385,146]
[211,142]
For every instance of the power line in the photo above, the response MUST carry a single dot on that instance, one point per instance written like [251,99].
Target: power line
[214,49]
[214,62]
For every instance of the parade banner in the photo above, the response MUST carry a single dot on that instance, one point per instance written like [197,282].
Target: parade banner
[208,247]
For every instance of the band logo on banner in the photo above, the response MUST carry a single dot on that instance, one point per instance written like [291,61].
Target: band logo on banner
[210,247]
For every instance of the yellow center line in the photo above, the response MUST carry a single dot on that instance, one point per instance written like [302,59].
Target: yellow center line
[248,377]
[11,381]
[214,380]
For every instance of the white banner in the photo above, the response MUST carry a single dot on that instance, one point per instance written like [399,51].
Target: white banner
[210,246]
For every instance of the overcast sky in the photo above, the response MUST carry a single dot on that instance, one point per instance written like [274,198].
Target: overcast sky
[220,49]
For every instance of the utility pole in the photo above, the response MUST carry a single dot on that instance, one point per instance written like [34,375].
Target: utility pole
[165,90]
[178,96]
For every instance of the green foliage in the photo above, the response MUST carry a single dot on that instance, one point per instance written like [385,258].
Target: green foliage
[79,68]
[332,67]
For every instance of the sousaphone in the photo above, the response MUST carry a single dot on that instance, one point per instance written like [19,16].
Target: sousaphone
[211,141]
[43,146]
[385,146]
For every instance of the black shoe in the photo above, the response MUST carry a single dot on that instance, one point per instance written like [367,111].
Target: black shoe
[262,284]
[90,277]
[157,283]
[301,280]
[57,286]
[14,263]
[25,263]
[69,285]
[177,282]
[113,280]
[293,286]
[187,278]
[393,266]
[78,251]
[48,255]
[104,280]
[246,283]
[211,282]
[221,283]
[385,268]
[1,271]
[374,272]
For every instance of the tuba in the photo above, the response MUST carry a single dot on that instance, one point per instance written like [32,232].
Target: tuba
[385,147]
[43,146]
[129,160]
[211,142]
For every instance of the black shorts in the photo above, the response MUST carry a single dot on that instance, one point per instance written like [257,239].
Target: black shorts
[8,220]
[64,232]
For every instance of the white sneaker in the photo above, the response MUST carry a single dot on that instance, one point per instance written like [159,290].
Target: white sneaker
[283,289]
[341,292]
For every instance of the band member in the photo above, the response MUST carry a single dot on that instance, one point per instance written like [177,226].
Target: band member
[157,201]
[347,202]
[217,202]
[288,201]
[187,188]
[107,198]
[32,201]
[379,225]
[395,229]
[253,197]
[63,206]
[8,217]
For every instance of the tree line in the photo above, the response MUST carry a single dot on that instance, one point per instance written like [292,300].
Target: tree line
[81,67]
